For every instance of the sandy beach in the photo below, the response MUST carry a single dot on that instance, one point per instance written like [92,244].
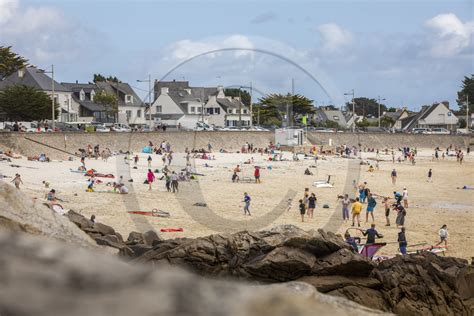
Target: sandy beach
[430,204]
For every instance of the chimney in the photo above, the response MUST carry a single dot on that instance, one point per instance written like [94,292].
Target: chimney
[164,90]
[188,90]
[77,81]
[21,72]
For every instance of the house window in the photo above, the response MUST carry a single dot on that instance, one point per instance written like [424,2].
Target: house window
[198,110]
[139,113]
[210,111]
[129,115]
[158,109]
[82,95]
[217,110]
[92,95]
[192,109]
[128,98]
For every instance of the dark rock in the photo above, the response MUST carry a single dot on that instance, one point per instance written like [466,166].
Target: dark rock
[364,296]
[344,262]
[135,238]
[330,283]
[110,240]
[78,219]
[103,229]
[57,279]
[150,237]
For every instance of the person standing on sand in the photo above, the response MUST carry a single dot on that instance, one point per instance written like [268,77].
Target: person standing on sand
[356,210]
[400,221]
[149,159]
[150,178]
[405,197]
[443,236]
[345,207]
[174,182]
[302,210]
[402,241]
[17,180]
[430,176]
[371,233]
[247,200]
[257,174]
[311,205]
[371,203]
[394,176]
[386,204]
[135,160]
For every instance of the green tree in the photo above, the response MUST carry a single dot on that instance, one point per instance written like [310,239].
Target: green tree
[266,115]
[327,124]
[101,78]
[386,121]
[108,100]
[298,104]
[363,123]
[365,106]
[467,89]
[462,122]
[234,92]
[10,62]
[22,103]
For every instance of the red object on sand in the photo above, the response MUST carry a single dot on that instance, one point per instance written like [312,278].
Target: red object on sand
[171,230]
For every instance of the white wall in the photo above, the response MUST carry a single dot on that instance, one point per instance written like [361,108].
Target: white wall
[440,116]
[134,119]
[64,99]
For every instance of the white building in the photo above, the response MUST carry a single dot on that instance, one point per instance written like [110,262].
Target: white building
[35,78]
[176,103]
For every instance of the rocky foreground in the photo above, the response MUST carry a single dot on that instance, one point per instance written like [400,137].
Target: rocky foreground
[62,265]
[424,284]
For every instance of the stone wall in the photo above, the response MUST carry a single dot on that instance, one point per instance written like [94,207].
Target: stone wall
[54,144]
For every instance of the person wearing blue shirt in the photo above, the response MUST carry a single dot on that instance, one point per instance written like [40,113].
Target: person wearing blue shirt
[371,203]
[397,196]
[247,204]
[371,233]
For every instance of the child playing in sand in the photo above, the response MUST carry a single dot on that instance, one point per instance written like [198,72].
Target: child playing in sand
[17,180]
[443,236]
[302,210]
[247,200]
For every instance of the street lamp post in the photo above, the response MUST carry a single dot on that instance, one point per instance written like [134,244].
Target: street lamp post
[149,99]
[353,108]
[378,99]
[53,110]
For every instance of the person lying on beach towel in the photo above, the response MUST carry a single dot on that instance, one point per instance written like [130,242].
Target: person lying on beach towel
[171,230]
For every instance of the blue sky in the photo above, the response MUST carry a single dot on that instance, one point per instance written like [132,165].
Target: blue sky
[408,52]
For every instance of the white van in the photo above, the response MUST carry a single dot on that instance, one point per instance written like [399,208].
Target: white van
[421,131]
[441,131]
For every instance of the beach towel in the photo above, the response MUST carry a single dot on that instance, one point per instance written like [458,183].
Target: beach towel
[102,175]
[171,230]
[147,150]
[155,213]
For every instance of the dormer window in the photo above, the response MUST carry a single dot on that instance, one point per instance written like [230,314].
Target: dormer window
[128,98]
[92,95]
[82,95]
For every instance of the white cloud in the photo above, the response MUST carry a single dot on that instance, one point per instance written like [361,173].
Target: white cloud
[333,36]
[450,36]
[185,49]
[44,34]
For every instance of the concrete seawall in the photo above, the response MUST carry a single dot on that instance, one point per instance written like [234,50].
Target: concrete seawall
[59,145]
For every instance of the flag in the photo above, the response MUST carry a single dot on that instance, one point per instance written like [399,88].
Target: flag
[304,119]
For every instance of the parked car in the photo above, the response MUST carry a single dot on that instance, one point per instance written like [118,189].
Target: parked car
[102,129]
[442,131]
[121,128]
[201,126]
[421,131]
[64,127]
[464,131]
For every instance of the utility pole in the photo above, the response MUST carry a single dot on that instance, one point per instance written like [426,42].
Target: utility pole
[251,106]
[353,108]
[378,98]
[52,90]
[467,113]
[150,99]
[240,108]
[53,108]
